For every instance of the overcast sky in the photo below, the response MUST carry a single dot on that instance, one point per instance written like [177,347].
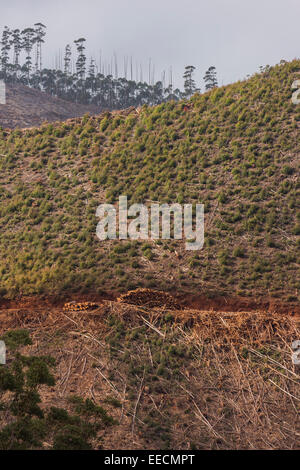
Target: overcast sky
[237,36]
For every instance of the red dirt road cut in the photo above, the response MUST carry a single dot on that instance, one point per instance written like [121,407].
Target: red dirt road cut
[184,301]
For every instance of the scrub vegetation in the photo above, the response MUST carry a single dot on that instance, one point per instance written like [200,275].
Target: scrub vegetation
[235,149]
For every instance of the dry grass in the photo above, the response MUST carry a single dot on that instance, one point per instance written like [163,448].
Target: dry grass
[230,384]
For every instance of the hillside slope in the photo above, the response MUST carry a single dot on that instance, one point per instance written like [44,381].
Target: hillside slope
[170,379]
[235,149]
[26,107]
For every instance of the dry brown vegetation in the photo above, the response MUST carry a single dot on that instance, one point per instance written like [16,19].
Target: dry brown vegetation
[149,298]
[181,379]
[26,107]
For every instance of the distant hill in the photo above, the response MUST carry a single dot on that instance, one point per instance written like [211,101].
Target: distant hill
[26,107]
[235,149]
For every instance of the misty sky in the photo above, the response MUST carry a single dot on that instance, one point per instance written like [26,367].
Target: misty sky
[237,36]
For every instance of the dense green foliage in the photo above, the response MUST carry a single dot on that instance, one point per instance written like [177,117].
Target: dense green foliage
[24,423]
[235,149]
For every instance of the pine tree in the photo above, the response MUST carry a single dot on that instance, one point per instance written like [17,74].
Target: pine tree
[40,33]
[28,35]
[90,81]
[17,44]
[210,78]
[67,59]
[189,82]
[5,48]
[81,59]
[92,68]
